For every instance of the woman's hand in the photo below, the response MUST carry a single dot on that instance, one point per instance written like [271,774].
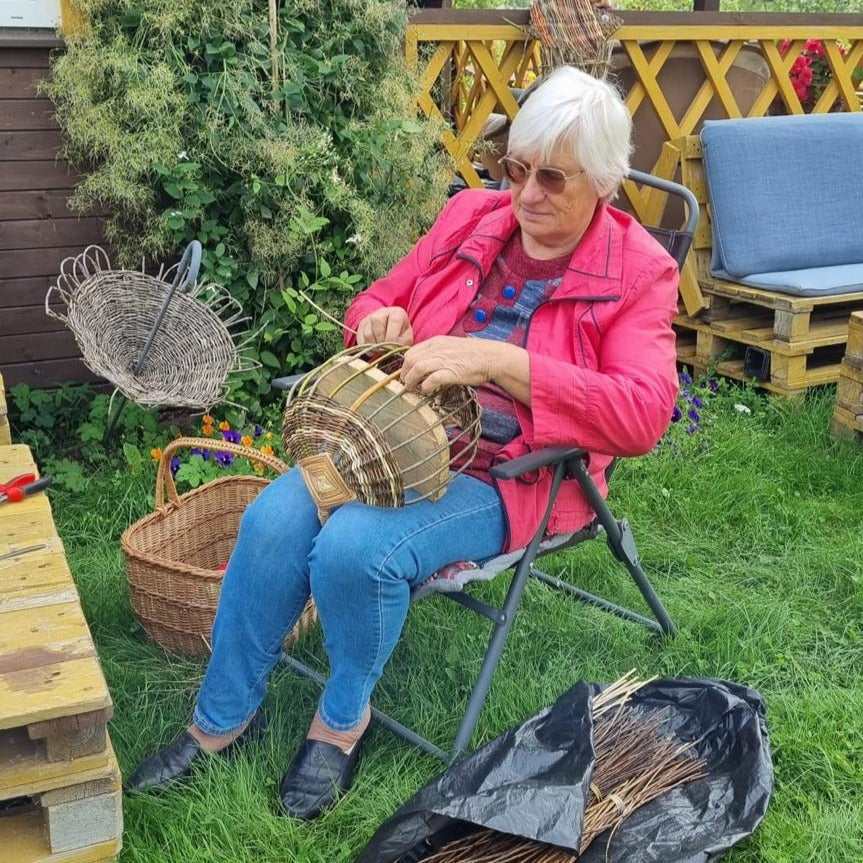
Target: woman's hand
[389,324]
[445,360]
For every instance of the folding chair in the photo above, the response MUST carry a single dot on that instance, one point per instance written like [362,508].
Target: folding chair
[566,463]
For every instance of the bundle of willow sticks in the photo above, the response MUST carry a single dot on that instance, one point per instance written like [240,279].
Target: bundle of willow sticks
[634,763]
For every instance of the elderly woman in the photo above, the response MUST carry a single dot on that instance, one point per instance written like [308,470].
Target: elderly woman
[558,309]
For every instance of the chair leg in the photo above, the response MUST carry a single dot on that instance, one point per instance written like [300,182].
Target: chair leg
[625,551]
[491,659]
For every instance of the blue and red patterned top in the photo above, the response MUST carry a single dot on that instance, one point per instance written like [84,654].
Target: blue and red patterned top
[501,310]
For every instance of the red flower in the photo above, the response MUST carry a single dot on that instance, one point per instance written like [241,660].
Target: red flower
[814,47]
[783,48]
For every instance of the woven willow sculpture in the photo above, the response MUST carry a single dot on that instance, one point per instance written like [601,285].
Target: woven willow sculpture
[356,433]
[160,344]
[574,32]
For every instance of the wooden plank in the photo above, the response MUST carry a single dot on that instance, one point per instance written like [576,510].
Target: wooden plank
[23,263]
[42,636]
[27,319]
[22,838]
[51,373]
[50,233]
[25,292]
[49,691]
[30,146]
[44,346]
[35,573]
[17,456]
[18,58]
[26,176]
[39,204]
[20,82]
[29,114]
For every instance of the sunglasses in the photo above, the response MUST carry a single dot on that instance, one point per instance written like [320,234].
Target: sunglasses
[551,179]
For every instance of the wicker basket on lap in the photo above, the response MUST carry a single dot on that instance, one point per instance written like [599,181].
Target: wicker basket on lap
[173,555]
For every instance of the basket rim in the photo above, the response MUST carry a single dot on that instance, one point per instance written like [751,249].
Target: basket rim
[128,535]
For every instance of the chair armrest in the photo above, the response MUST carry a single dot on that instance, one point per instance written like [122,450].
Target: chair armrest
[550,455]
[287,382]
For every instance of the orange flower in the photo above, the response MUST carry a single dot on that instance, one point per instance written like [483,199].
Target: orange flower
[246,440]
[266,449]
[156,453]
[207,431]
[225,426]
[207,420]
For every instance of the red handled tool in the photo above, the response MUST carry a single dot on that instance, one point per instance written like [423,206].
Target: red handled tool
[23,486]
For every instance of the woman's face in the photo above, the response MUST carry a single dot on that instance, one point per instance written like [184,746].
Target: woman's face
[552,223]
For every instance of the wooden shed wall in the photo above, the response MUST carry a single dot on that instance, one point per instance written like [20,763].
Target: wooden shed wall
[37,230]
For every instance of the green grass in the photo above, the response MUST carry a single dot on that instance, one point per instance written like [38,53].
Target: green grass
[751,532]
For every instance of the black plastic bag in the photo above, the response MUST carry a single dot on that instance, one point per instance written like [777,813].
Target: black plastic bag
[533,782]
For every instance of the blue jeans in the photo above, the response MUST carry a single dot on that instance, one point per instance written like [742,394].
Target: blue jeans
[359,567]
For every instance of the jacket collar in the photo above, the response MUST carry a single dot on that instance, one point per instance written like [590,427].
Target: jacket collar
[594,269]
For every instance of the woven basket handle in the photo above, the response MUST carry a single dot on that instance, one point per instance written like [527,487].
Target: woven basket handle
[164,478]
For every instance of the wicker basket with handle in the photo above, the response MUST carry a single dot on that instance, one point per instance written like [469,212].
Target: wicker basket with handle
[173,555]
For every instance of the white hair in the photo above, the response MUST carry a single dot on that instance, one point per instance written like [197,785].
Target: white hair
[574,110]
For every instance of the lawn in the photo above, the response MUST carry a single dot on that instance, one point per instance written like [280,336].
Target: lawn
[750,530]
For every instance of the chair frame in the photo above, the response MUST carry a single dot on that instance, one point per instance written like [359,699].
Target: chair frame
[565,463]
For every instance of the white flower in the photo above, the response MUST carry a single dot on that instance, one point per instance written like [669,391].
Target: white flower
[742,409]
[354,239]
[176,213]
[182,155]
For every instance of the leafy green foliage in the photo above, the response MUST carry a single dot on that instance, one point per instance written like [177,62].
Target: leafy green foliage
[288,167]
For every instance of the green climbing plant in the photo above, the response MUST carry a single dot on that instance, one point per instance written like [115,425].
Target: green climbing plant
[291,149]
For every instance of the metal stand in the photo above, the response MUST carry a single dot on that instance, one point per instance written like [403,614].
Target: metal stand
[184,278]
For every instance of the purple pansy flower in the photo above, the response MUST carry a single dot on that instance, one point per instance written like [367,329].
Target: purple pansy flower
[203,453]
[685,378]
[693,415]
[257,431]
[696,402]
[224,459]
[232,436]
[175,465]
[676,414]
[692,429]
[713,384]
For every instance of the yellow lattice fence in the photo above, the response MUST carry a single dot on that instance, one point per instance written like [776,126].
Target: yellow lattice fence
[470,62]
[733,65]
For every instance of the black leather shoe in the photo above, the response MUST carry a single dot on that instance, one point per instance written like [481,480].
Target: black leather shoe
[175,760]
[319,773]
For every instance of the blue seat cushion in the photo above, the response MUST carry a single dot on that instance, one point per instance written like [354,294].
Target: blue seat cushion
[786,193]
[811,282]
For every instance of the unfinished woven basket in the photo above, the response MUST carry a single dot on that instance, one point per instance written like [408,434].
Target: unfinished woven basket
[357,434]
[112,312]
[173,555]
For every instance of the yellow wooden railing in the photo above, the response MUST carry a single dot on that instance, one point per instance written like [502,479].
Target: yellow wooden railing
[468,61]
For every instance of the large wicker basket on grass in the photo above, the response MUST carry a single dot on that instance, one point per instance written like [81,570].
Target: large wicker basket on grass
[173,555]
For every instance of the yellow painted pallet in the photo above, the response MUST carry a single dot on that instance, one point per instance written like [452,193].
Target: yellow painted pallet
[782,318]
[5,437]
[786,371]
[59,778]
[854,348]
[55,819]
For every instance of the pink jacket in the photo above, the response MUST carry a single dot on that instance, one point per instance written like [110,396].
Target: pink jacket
[602,351]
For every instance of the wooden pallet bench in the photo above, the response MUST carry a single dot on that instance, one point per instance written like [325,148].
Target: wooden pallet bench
[799,341]
[848,413]
[60,797]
